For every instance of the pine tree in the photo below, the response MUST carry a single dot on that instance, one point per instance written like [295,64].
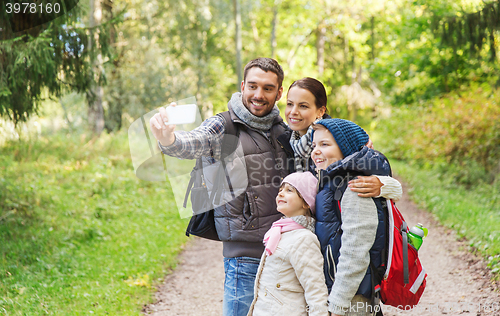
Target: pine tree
[50,60]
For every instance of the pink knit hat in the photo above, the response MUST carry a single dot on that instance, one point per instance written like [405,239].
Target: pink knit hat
[306,184]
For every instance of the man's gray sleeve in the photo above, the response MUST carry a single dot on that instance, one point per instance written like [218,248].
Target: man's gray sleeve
[204,141]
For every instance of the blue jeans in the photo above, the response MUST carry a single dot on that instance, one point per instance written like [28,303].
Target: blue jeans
[239,285]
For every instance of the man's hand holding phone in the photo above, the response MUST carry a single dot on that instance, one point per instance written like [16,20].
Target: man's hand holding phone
[161,131]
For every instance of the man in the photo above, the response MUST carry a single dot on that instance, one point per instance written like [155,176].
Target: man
[241,223]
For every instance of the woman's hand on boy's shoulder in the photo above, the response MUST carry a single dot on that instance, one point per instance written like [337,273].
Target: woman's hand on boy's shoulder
[366,186]
[369,144]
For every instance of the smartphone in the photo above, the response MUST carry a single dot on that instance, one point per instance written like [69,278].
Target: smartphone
[181,114]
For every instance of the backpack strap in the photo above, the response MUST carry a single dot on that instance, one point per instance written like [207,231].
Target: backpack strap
[197,169]
[228,146]
[216,191]
[404,228]
[230,143]
[375,299]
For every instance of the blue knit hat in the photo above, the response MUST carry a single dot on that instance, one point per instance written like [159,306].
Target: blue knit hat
[349,136]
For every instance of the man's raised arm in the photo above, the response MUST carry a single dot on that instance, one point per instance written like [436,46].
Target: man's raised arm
[204,141]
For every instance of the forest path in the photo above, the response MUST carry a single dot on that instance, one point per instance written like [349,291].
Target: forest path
[458,282]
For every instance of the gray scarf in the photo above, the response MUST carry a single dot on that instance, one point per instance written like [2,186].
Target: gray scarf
[302,147]
[263,123]
[306,221]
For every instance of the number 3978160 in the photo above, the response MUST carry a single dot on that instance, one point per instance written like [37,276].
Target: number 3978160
[27,7]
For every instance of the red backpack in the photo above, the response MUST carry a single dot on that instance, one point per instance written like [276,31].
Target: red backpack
[404,280]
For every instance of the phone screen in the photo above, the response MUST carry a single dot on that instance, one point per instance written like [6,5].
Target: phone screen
[181,114]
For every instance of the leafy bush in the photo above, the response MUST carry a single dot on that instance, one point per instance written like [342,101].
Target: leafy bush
[458,133]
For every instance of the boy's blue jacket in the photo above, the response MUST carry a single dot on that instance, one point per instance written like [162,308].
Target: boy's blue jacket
[332,183]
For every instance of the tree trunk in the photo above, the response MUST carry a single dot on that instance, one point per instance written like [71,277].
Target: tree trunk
[114,111]
[353,65]
[274,26]
[346,59]
[70,124]
[95,112]
[353,111]
[320,48]
[492,44]
[255,30]
[293,53]
[94,96]
[237,19]
[372,26]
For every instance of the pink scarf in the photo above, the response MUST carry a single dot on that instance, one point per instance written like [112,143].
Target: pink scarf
[273,235]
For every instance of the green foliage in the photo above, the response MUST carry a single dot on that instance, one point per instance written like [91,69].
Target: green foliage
[460,132]
[471,30]
[169,51]
[80,233]
[57,60]
[417,61]
[473,213]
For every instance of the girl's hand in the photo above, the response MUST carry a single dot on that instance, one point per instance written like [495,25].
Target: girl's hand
[366,186]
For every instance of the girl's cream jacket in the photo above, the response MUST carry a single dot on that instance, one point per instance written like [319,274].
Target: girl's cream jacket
[291,282]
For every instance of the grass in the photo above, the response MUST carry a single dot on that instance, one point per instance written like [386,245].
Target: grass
[79,233]
[473,213]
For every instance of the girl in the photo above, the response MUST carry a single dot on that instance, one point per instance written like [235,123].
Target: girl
[306,103]
[290,279]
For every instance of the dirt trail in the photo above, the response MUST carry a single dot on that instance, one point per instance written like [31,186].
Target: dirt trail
[196,287]
[457,283]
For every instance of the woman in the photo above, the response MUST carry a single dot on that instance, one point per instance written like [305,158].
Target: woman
[307,103]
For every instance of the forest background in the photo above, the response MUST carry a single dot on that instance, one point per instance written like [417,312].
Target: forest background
[81,234]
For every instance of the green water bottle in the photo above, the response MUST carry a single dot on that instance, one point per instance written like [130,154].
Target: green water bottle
[416,235]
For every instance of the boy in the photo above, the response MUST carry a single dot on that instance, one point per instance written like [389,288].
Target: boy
[350,228]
